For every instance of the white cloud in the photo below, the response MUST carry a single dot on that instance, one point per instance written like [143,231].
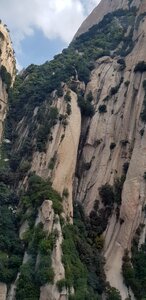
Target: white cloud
[90,4]
[55,18]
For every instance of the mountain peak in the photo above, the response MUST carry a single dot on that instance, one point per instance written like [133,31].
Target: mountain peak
[104,7]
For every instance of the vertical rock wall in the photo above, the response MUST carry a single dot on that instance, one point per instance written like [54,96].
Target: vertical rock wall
[120,123]
[7,60]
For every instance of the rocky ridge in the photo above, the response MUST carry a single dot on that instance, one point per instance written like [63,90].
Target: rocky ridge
[86,137]
[103,8]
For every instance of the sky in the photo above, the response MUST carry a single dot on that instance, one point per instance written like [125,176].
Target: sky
[40,29]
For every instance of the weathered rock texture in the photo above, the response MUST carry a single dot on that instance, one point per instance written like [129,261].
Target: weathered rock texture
[121,123]
[64,148]
[8,61]
[3,291]
[51,223]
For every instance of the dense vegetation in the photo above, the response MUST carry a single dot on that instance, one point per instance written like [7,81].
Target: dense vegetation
[140,67]
[83,261]
[38,191]
[143,113]
[107,35]
[37,271]
[11,248]
[111,197]
[5,76]
[134,268]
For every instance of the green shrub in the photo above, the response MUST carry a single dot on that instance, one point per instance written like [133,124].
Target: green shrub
[115,89]
[10,246]
[89,97]
[107,195]
[40,190]
[52,162]
[67,97]
[128,271]
[87,109]
[124,143]
[144,84]
[127,83]
[142,132]
[134,268]
[143,113]
[65,193]
[118,187]
[112,146]
[27,287]
[102,109]
[61,284]
[6,77]
[125,167]
[60,91]
[113,294]
[122,63]
[140,67]
[44,272]
[68,109]
[74,269]
[99,240]
[24,167]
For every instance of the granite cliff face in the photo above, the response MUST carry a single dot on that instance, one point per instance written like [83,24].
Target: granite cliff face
[7,61]
[102,9]
[76,126]
[120,123]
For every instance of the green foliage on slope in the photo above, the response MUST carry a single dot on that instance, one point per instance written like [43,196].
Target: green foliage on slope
[5,76]
[11,248]
[38,191]
[39,246]
[82,258]
[37,82]
[134,268]
[37,271]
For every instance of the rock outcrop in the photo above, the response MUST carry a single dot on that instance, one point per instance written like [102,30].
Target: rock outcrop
[7,60]
[3,291]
